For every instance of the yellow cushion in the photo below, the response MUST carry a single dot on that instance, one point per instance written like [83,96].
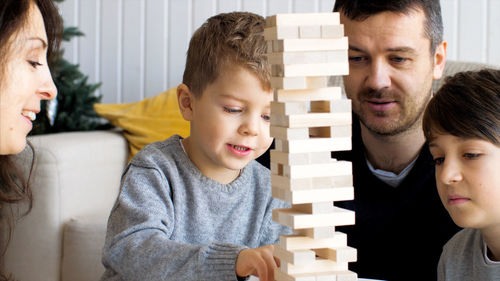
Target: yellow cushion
[152,119]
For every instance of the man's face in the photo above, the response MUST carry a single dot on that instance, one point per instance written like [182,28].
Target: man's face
[390,70]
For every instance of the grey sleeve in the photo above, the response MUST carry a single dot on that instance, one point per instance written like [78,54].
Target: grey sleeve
[137,243]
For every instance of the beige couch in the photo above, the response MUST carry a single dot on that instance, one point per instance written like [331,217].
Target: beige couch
[76,181]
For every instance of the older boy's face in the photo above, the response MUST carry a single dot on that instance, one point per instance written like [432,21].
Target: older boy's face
[467,179]
[230,123]
[390,70]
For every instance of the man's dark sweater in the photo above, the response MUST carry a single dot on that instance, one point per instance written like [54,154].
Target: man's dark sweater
[399,231]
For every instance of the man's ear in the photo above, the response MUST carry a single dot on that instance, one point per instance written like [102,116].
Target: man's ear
[439,60]
[185,99]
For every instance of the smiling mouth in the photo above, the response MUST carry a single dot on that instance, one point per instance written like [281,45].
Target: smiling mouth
[29,114]
[240,148]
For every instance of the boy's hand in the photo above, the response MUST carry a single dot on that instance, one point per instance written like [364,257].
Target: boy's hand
[259,262]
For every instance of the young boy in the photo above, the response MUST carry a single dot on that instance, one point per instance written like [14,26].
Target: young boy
[200,208]
[462,125]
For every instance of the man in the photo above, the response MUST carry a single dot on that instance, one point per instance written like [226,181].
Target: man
[395,51]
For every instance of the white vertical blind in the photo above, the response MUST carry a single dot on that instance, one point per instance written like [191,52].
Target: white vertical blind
[137,48]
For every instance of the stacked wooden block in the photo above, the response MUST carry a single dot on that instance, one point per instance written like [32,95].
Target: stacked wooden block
[308,121]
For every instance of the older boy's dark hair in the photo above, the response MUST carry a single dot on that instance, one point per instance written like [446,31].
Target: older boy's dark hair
[466,106]
[223,40]
[361,9]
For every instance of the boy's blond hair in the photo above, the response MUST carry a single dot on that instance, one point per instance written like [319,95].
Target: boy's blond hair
[223,40]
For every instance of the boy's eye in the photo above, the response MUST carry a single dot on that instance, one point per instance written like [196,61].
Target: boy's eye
[438,161]
[232,110]
[266,117]
[471,156]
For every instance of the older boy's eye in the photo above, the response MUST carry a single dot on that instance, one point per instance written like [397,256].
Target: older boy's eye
[471,156]
[438,161]
[266,117]
[232,110]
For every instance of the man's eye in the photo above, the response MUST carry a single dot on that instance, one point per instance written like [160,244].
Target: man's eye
[399,59]
[356,59]
[438,161]
[232,110]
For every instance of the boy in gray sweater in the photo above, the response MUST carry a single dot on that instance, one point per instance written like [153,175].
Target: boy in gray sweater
[200,208]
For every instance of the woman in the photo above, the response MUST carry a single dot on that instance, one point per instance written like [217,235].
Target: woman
[30,33]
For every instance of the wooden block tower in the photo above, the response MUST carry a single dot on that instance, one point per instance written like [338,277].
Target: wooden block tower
[309,119]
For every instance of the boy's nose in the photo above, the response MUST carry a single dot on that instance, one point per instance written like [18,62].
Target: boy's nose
[250,127]
[450,173]
[378,76]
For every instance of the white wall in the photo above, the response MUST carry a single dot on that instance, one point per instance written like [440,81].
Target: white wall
[137,48]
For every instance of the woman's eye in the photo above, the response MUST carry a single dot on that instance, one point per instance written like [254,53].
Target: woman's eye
[34,64]
[266,117]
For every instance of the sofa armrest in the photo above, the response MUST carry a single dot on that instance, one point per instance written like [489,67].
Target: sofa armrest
[75,174]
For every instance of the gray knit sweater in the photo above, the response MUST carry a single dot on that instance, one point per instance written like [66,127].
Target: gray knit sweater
[170,222]
[464,259]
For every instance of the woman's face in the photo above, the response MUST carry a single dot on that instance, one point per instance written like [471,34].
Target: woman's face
[25,82]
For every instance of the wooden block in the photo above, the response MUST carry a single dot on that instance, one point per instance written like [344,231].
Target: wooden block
[341,254]
[318,266]
[294,242]
[337,56]
[331,169]
[269,47]
[309,45]
[309,31]
[311,120]
[332,31]
[329,132]
[310,69]
[313,195]
[326,93]
[288,108]
[293,184]
[297,220]
[281,32]
[313,145]
[342,275]
[294,257]
[281,276]
[290,133]
[298,83]
[303,19]
[314,208]
[300,158]
[316,232]
[331,106]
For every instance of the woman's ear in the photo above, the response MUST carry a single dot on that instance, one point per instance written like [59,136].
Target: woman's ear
[185,99]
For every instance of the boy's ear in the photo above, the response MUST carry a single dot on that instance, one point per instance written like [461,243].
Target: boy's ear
[185,100]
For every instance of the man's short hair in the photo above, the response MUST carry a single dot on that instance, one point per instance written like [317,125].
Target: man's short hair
[224,40]
[361,9]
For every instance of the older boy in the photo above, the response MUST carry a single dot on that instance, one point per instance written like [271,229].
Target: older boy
[200,208]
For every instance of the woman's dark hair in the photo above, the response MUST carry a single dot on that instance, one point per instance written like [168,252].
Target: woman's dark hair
[466,106]
[14,186]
